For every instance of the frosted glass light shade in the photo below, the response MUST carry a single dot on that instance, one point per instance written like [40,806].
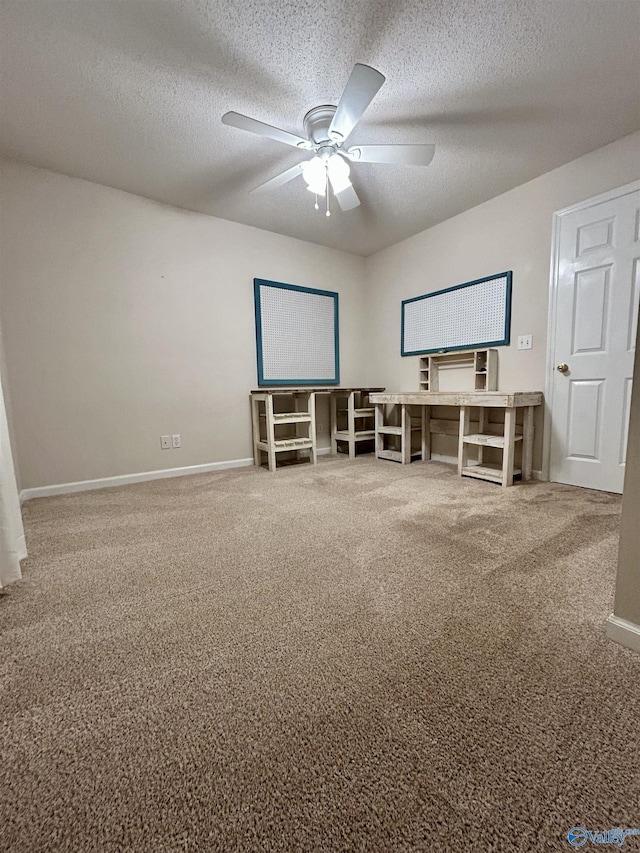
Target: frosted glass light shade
[315,175]
[338,170]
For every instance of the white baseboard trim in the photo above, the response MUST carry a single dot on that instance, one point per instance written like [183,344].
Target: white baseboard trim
[623,632]
[127,479]
[144,476]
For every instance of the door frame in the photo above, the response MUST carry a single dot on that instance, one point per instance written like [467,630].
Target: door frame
[558,216]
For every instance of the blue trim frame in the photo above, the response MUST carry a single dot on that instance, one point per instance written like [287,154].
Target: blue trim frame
[508,274]
[262,382]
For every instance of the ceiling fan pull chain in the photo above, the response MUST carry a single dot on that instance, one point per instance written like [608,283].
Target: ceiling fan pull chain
[328,213]
[316,205]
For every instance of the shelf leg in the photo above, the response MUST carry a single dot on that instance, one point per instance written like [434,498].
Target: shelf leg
[527,443]
[271,433]
[379,425]
[312,427]
[481,431]
[463,449]
[255,423]
[351,424]
[405,421]
[333,404]
[426,433]
[509,446]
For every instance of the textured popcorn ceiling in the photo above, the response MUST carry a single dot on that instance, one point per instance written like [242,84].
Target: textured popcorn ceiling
[129,93]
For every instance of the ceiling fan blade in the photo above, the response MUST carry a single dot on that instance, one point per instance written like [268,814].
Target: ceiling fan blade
[347,198]
[361,88]
[279,180]
[405,155]
[262,129]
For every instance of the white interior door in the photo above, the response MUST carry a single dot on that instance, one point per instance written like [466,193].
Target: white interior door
[597,292]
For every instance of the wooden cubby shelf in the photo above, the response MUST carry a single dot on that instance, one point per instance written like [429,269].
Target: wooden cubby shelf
[482,362]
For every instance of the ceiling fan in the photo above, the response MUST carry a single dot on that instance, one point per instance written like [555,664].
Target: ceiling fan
[327,129]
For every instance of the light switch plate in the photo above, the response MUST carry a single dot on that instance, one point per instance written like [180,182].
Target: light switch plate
[525,342]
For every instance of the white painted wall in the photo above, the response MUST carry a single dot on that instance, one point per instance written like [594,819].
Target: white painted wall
[124,320]
[511,231]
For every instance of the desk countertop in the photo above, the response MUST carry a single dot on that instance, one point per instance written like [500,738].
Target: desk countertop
[491,399]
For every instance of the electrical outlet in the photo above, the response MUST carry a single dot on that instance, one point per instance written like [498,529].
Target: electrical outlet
[175,440]
[165,442]
[525,342]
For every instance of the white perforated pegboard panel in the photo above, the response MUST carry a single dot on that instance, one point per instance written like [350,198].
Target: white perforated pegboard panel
[471,315]
[297,334]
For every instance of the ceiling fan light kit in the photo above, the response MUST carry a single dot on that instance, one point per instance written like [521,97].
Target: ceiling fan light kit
[327,129]
[315,176]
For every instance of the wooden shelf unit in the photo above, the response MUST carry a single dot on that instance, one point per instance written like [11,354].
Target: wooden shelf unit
[506,471]
[352,419]
[283,420]
[483,363]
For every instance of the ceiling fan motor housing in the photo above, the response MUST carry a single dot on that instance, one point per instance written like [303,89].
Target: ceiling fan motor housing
[317,122]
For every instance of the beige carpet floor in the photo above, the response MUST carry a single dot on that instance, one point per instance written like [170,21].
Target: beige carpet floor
[351,657]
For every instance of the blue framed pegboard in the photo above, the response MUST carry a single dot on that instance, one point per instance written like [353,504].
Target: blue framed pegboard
[466,316]
[296,334]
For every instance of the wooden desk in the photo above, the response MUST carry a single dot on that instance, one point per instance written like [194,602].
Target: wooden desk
[510,401]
